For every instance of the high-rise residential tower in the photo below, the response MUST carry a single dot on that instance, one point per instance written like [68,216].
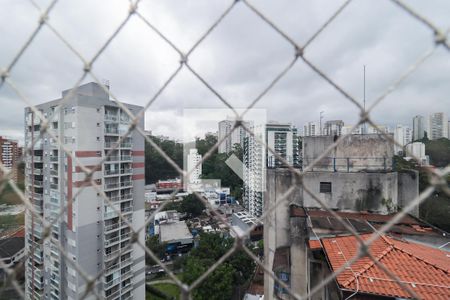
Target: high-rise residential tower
[236,137]
[194,164]
[418,127]
[10,153]
[403,136]
[85,229]
[333,127]
[437,126]
[283,140]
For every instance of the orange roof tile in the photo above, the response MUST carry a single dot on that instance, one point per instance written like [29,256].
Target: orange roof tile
[314,244]
[424,269]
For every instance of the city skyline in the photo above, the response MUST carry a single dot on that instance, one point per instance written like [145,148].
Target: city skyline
[224,66]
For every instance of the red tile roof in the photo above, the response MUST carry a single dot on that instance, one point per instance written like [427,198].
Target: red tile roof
[425,270]
[314,244]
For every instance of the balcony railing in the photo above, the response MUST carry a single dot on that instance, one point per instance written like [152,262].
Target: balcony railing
[54,172]
[125,157]
[109,130]
[127,209]
[38,183]
[54,158]
[112,172]
[113,118]
[111,144]
[110,215]
[113,185]
[112,283]
[112,158]
[126,171]
[115,226]
[126,183]
[54,186]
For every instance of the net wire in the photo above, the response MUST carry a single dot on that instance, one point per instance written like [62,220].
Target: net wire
[437,181]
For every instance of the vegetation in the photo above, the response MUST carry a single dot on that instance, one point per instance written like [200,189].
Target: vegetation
[159,249]
[163,291]
[9,221]
[436,208]
[156,167]
[192,206]
[8,195]
[219,285]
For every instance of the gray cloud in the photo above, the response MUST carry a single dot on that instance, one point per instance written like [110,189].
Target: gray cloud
[239,58]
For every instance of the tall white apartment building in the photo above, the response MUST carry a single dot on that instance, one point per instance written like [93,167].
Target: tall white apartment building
[437,126]
[83,224]
[403,136]
[311,129]
[236,137]
[283,139]
[418,127]
[194,158]
[333,127]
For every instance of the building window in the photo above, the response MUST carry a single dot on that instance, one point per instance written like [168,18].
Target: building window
[325,187]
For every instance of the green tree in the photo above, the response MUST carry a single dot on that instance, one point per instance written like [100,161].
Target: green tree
[156,166]
[234,272]
[192,206]
[159,249]
[217,286]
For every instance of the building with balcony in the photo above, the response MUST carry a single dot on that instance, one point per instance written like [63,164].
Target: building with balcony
[281,139]
[230,137]
[82,227]
[437,126]
[10,153]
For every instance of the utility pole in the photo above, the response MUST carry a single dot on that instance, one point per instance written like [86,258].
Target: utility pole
[364,100]
[320,122]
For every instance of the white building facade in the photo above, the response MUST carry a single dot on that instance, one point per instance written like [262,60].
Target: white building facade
[236,137]
[418,127]
[283,139]
[194,164]
[84,225]
[402,136]
[311,129]
[437,126]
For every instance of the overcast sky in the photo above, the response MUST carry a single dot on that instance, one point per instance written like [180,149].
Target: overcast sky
[239,58]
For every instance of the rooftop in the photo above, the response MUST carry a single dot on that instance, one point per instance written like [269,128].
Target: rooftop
[170,232]
[424,269]
[10,246]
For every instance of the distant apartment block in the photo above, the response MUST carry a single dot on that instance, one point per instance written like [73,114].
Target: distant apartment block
[333,127]
[364,129]
[89,230]
[418,127]
[10,153]
[311,129]
[283,140]
[193,164]
[236,137]
[437,126]
[402,136]
[417,149]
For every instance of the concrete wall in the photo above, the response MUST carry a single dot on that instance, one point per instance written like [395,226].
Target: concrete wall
[364,152]
[408,190]
[277,223]
[375,192]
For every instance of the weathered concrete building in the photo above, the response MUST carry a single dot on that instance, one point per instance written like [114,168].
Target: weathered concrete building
[356,176]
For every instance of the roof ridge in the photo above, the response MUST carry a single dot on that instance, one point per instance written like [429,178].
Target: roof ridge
[420,258]
[366,267]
